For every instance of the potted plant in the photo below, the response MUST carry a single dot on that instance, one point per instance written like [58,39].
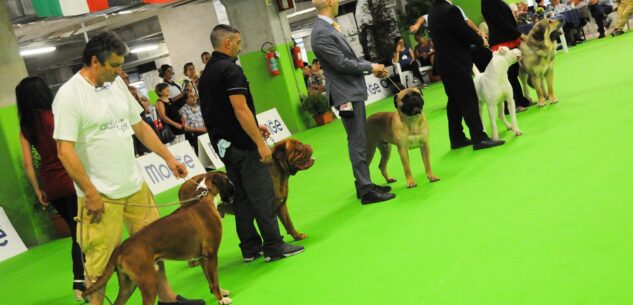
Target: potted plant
[317,105]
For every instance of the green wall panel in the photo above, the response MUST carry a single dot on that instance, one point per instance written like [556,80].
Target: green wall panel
[16,195]
[282,91]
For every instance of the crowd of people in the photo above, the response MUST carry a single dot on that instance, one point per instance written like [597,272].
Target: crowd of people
[94,115]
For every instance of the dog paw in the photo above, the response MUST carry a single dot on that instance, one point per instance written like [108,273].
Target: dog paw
[225,293]
[391,180]
[495,137]
[432,178]
[299,236]
[225,301]
[541,104]
[411,183]
[553,100]
[517,132]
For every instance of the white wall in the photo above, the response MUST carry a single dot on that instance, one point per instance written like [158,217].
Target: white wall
[186,30]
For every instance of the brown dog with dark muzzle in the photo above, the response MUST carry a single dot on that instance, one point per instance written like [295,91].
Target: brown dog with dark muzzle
[406,128]
[193,231]
[289,157]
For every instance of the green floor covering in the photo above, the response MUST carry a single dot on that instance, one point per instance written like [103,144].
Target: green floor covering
[545,219]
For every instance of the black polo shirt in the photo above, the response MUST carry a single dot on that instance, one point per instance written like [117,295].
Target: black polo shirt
[222,78]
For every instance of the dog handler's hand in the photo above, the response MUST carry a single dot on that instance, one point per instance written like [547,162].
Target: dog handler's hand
[177,168]
[263,129]
[265,154]
[94,205]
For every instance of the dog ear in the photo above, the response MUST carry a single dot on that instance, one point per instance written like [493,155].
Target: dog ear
[222,183]
[395,101]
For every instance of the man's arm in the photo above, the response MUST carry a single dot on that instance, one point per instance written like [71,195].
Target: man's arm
[69,158]
[460,28]
[328,51]
[418,23]
[148,137]
[249,125]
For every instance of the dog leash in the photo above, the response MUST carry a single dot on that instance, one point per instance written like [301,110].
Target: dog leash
[201,185]
[394,83]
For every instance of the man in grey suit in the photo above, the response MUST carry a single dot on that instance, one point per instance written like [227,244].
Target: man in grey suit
[347,91]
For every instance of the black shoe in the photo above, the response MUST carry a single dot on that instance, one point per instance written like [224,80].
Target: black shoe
[285,250]
[461,144]
[374,196]
[487,144]
[252,257]
[180,300]
[382,188]
[601,36]
[617,33]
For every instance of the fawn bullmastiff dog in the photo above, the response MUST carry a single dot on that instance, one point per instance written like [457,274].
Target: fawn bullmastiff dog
[193,231]
[406,128]
[289,157]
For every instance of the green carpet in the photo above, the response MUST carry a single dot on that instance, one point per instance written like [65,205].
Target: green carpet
[545,219]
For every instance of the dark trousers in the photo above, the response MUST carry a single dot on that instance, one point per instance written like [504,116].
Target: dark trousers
[356,129]
[462,103]
[254,202]
[415,69]
[67,209]
[599,13]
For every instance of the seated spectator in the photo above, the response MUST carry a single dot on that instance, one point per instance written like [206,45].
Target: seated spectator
[405,57]
[306,70]
[425,53]
[168,112]
[194,125]
[316,82]
[625,9]
[600,9]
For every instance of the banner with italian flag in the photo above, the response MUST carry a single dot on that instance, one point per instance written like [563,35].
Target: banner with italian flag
[55,8]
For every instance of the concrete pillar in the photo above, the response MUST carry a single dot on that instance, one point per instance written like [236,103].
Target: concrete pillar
[186,30]
[16,195]
[260,22]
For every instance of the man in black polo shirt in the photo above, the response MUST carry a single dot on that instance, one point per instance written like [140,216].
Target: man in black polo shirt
[229,114]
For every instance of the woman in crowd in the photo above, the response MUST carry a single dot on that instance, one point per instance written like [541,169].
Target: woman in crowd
[191,78]
[405,57]
[167,109]
[176,92]
[34,101]
[504,32]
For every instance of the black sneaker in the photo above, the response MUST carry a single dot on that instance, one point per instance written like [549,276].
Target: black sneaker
[285,250]
[180,300]
[250,258]
[487,144]
[464,143]
[382,188]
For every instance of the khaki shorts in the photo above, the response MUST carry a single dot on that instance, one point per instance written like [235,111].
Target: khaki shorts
[98,240]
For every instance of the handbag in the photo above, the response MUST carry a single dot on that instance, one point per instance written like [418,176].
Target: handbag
[166,135]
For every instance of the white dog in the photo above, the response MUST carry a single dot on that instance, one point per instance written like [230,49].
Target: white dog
[493,88]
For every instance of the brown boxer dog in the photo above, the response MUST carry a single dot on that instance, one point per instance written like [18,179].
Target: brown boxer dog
[193,231]
[406,128]
[289,157]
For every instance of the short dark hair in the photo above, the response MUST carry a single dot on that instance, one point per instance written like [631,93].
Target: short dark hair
[204,53]
[160,87]
[102,46]
[184,69]
[163,69]
[219,33]
[316,60]
[396,39]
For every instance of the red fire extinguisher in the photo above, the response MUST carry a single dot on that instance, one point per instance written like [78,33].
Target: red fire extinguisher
[271,59]
[296,55]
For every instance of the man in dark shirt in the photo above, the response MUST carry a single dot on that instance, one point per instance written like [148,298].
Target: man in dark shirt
[229,114]
[452,39]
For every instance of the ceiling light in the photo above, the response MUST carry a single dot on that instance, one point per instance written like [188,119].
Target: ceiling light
[37,51]
[301,12]
[125,12]
[144,48]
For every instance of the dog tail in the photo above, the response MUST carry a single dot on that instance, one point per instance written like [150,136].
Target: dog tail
[107,273]
[476,71]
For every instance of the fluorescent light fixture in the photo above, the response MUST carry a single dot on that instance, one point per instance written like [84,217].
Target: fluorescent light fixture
[301,12]
[144,48]
[37,51]
[125,12]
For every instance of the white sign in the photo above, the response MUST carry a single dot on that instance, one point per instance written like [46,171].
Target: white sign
[207,154]
[375,89]
[158,175]
[278,129]
[10,243]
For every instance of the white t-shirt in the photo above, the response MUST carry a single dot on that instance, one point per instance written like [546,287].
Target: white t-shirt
[100,121]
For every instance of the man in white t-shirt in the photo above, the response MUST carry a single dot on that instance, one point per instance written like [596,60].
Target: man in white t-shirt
[95,117]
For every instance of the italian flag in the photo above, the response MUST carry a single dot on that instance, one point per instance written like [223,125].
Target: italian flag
[55,8]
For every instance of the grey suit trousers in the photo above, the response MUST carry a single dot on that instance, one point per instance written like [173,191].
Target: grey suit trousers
[356,128]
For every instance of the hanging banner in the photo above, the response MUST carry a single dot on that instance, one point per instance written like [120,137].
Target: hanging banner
[277,127]
[10,243]
[158,175]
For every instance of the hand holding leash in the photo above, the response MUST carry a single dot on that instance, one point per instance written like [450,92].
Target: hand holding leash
[177,168]
[263,129]
[94,205]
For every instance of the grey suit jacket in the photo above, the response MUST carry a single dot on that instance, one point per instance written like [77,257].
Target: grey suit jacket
[344,72]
